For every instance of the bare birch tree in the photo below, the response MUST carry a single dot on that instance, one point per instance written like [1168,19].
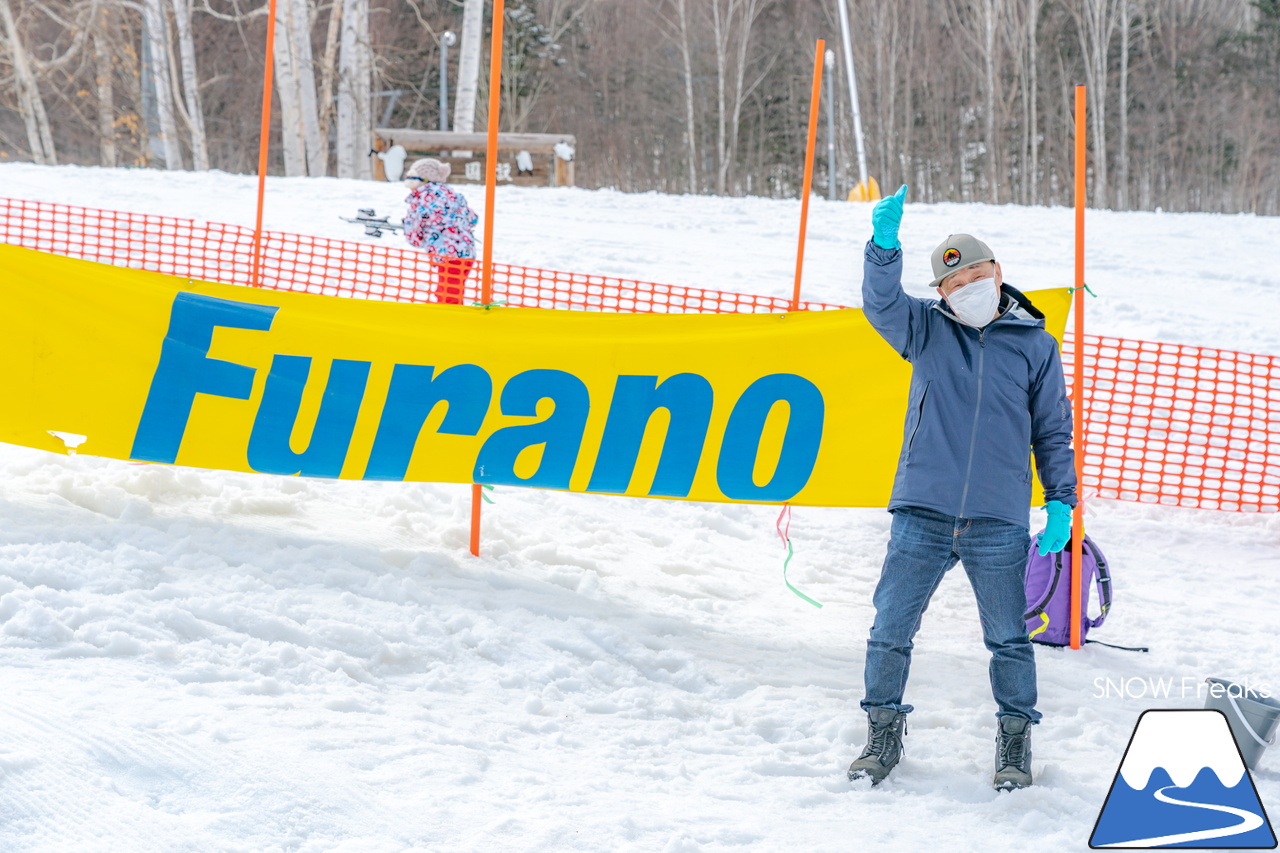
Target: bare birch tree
[1033,119]
[292,144]
[1122,191]
[191,85]
[691,128]
[317,147]
[1096,24]
[328,74]
[304,151]
[30,104]
[464,102]
[731,25]
[978,23]
[155,30]
[355,83]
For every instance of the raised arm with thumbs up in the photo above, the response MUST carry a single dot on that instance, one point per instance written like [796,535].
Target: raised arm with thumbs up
[987,390]
[886,217]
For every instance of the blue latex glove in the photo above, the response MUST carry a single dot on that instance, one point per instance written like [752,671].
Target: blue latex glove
[1057,528]
[885,218]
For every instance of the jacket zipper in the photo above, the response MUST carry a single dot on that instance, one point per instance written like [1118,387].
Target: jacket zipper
[977,411]
[911,442]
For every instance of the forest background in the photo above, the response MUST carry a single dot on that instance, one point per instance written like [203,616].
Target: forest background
[966,101]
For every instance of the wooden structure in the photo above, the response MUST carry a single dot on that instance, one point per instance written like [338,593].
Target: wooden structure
[465,152]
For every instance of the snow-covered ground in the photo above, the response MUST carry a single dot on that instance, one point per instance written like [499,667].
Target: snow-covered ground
[201,661]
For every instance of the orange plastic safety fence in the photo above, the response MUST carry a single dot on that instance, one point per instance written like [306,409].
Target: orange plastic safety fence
[1180,425]
[211,251]
[1164,423]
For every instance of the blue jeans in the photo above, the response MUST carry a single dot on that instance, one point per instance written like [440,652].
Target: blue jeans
[923,545]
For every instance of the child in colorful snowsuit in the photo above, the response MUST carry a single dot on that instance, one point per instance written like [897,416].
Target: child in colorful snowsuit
[440,221]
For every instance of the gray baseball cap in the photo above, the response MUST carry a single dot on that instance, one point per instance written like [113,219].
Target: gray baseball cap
[957,252]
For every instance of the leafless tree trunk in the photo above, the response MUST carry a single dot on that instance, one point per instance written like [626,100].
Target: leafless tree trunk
[103,78]
[741,91]
[1096,23]
[1014,32]
[676,27]
[1033,125]
[981,33]
[328,69]
[355,80]
[721,28]
[691,129]
[156,29]
[731,24]
[30,104]
[887,17]
[1122,194]
[191,85]
[291,138]
[317,150]
[464,104]
[990,13]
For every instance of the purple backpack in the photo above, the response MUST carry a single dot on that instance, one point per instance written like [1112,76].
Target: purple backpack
[1048,588]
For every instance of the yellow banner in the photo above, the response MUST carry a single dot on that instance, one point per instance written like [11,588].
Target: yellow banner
[801,407]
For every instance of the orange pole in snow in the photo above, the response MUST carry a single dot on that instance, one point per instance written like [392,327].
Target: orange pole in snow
[264,138]
[491,155]
[477,496]
[814,102]
[1077,414]
[490,184]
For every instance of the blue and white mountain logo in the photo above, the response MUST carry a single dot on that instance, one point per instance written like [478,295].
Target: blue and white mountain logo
[1182,783]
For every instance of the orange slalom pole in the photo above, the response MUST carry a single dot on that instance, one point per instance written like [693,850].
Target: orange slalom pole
[1077,404]
[477,493]
[490,185]
[491,154]
[814,102]
[264,140]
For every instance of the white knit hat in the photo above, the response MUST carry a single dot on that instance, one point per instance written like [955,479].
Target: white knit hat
[427,169]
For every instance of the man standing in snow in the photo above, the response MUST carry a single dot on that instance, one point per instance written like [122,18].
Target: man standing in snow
[987,389]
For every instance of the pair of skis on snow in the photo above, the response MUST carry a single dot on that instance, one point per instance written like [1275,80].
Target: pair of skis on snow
[373,224]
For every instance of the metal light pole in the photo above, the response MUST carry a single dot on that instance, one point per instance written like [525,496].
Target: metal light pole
[447,40]
[830,62]
[853,90]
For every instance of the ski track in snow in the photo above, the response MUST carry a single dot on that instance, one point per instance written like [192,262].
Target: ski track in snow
[207,661]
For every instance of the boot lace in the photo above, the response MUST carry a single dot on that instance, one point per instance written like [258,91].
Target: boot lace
[880,737]
[1012,749]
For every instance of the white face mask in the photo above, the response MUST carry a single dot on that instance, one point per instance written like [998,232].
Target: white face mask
[975,304]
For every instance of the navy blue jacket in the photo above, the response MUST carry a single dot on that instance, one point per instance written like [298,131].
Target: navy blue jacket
[981,401]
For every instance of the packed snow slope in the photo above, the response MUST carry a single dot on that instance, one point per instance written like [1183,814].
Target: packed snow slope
[203,661]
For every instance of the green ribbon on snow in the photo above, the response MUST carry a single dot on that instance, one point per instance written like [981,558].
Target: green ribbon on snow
[785,536]
[790,554]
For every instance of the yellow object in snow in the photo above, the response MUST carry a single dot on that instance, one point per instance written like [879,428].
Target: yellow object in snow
[804,407]
[870,191]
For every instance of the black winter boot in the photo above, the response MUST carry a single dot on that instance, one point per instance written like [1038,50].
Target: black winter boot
[1013,754]
[885,730]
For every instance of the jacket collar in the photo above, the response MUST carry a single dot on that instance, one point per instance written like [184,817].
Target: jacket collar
[1015,310]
